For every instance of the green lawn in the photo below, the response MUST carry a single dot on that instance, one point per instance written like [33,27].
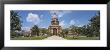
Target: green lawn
[29,38]
[82,38]
[43,37]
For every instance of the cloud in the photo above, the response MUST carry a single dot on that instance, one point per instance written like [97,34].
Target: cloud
[60,13]
[63,24]
[25,28]
[81,25]
[76,23]
[64,12]
[72,22]
[34,18]
[43,27]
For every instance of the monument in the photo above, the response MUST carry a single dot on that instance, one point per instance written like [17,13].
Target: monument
[54,28]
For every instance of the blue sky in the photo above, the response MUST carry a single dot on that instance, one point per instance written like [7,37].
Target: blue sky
[42,18]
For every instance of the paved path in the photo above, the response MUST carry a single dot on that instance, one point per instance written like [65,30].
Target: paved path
[54,37]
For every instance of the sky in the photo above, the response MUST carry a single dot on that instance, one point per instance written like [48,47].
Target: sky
[42,18]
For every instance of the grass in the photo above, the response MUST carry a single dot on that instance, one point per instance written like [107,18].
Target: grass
[29,38]
[43,37]
[82,38]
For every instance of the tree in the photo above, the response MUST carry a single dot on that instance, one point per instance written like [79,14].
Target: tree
[79,30]
[44,31]
[15,23]
[93,27]
[35,30]
[65,31]
[95,24]
[84,30]
[74,30]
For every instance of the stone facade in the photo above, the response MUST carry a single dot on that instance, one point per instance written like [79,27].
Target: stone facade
[54,28]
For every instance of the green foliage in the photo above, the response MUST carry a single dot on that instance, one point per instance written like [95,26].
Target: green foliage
[44,31]
[75,29]
[94,25]
[14,34]
[81,38]
[64,32]
[15,21]
[35,30]
[90,30]
[29,38]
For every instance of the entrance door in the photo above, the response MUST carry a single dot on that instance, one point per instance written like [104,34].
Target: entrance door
[54,31]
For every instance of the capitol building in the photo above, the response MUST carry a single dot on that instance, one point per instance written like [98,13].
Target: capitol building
[54,28]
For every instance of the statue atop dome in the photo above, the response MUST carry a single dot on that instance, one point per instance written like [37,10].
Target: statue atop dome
[54,15]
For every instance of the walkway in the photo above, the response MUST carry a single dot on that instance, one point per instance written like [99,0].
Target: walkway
[54,37]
